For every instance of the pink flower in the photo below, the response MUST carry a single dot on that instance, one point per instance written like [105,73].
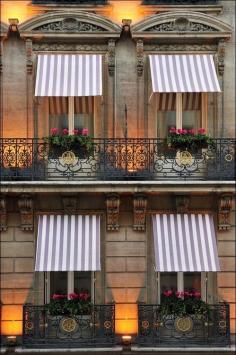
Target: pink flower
[76,132]
[172,130]
[58,297]
[84,132]
[197,294]
[191,131]
[201,131]
[180,131]
[65,132]
[184,131]
[168,293]
[54,131]
[84,296]
[73,296]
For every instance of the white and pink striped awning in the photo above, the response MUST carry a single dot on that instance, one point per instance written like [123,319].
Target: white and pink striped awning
[183,73]
[69,75]
[58,105]
[167,101]
[68,243]
[185,242]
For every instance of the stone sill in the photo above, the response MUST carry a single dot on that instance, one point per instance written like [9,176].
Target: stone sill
[184,350]
[156,9]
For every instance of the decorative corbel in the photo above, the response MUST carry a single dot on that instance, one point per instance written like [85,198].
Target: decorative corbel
[29,55]
[140,57]
[25,205]
[113,208]
[69,204]
[224,209]
[139,206]
[182,203]
[111,56]
[221,57]
[3,214]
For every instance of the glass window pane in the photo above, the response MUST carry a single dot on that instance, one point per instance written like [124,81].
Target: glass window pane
[58,283]
[168,281]
[58,121]
[191,119]
[82,281]
[192,281]
[84,121]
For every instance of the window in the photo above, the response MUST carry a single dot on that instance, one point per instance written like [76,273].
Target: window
[63,282]
[185,281]
[167,112]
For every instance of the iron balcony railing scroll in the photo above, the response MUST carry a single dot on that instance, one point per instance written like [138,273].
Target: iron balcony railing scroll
[69,2]
[42,330]
[116,159]
[180,2]
[156,329]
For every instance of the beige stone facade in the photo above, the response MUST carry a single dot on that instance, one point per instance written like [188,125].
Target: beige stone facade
[127,276]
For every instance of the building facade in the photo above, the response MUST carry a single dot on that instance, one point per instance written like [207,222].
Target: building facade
[153,215]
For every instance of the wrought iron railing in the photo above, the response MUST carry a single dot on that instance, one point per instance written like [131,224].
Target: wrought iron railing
[70,2]
[40,329]
[179,2]
[156,329]
[116,159]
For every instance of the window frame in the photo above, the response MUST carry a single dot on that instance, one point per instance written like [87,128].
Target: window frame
[70,284]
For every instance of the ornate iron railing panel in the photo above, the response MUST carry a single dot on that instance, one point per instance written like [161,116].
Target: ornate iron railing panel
[116,159]
[179,2]
[40,329]
[70,2]
[156,329]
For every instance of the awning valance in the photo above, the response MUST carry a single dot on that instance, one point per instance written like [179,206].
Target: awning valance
[68,243]
[183,73]
[69,75]
[185,242]
[167,101]
[59,105]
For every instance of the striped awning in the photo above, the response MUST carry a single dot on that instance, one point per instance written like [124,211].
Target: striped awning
[58,105]
[185,242]
[167,101]
[69,75]
[183,73]
[68,243]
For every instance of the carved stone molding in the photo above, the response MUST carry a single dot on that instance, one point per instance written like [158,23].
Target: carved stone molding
[224,209]
[113,208]
[139,210]
[69,25]
[3,214]
[69,47]
[29,55]
[69,204]
[182,203]
[181,24]
[111,56]
[180,47]
[140,57]
[25,205]
[221,57]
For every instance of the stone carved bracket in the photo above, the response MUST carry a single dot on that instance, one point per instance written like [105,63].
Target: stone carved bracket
[140,57]
[111,56]
[224,209]
[29,56]
[139,210]
[113,208]
[182,203]
[221,57]
[25,205]
[3,214]
[70,204]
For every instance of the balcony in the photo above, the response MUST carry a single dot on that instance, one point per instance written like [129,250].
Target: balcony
[116,159]
[180,2]
[69,2]
[156,329]
[42,330]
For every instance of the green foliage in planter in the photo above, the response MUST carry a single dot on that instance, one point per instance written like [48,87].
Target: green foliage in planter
[188,139]
[183,303]
[74,304]
[80,143]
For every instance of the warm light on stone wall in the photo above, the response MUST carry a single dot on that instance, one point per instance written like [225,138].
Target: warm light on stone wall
[125,10]
[16,9]
[126,319]
[11,320]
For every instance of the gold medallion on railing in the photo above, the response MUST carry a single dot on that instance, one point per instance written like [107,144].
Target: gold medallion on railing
[222,324]
[68,325]
[68,158]
[29,325]
[183,324]
[107,324]
[145,324]
[228,157]
[184,157]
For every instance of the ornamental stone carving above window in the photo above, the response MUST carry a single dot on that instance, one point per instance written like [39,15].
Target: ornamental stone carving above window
[70,25]
[181,24]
